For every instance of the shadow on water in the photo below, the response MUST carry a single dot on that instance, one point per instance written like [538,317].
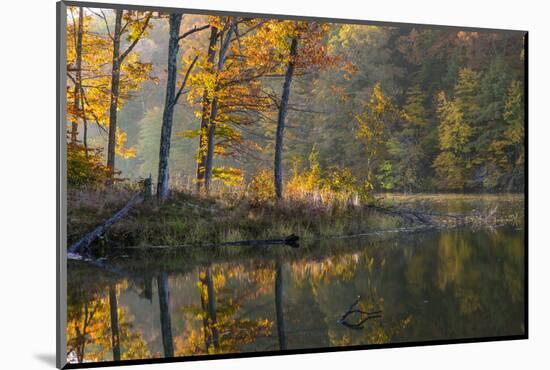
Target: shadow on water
[440,285]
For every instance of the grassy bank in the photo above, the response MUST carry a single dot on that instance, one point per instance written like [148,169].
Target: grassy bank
[186,219]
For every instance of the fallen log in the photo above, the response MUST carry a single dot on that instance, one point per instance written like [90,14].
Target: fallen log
[85,242]
[291,240]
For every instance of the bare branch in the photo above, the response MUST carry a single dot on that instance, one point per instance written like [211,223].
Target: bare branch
[104,17]
[250,29]
[180,91]
[138,37]
[192,31]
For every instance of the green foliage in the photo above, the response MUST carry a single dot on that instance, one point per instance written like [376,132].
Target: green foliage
[454,135]
[466,92]
[85,169]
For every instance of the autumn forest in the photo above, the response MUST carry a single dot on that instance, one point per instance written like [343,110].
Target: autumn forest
[244,158]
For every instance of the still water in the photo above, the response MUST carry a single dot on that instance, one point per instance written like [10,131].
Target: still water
[428,286]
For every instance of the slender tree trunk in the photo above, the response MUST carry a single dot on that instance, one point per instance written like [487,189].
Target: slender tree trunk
[168,114]
[283,108]
[209,162]
[279,306]
[115,81]
[214,109]
[115,337]
[80,38]
[84,121]
[165,321]
[78,83]
[203,141]
[212,308]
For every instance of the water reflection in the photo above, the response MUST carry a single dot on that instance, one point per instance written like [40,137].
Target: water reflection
[448,285]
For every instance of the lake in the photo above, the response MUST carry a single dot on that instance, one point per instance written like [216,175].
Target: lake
[422,286]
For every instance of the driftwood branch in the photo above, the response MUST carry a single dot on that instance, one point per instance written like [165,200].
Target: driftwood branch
[407,214]
[438,219]
[363,315]
[85,242]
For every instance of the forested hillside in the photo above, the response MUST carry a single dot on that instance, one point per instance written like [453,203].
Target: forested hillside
[284,106]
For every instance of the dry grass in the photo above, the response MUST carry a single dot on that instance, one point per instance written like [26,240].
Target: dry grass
[186,219]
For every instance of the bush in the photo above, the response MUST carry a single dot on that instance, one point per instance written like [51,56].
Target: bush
[85,169]
[262,187]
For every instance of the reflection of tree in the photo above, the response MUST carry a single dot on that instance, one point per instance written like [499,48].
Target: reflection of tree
[338,267]
[80,318]
[93,319]
[435,286]
[212,308]
[165,321]
[279,306]
[470,283]
[115,339]
[222,327]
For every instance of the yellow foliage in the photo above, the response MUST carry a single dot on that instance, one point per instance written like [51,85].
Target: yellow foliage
[121,148]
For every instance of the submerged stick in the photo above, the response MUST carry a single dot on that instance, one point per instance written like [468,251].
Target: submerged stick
[364,316]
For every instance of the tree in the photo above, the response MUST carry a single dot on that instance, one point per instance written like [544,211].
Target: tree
[135,24]
[205,106]
[296,47]
[78,32]
[374,122]
[239,99]
[451,164]
[227,32]
[281,117]
[171,100]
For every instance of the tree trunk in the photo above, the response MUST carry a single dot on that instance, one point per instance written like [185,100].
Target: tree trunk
[203,141]
[209,162]
[115,81]
[214,110]
[85,122]
[168,114]
[165,321]
[279,306]
[78,80]
[115,337]
[283,108]
[87,239]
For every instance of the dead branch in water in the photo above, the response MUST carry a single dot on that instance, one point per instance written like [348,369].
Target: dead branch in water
[364,316]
